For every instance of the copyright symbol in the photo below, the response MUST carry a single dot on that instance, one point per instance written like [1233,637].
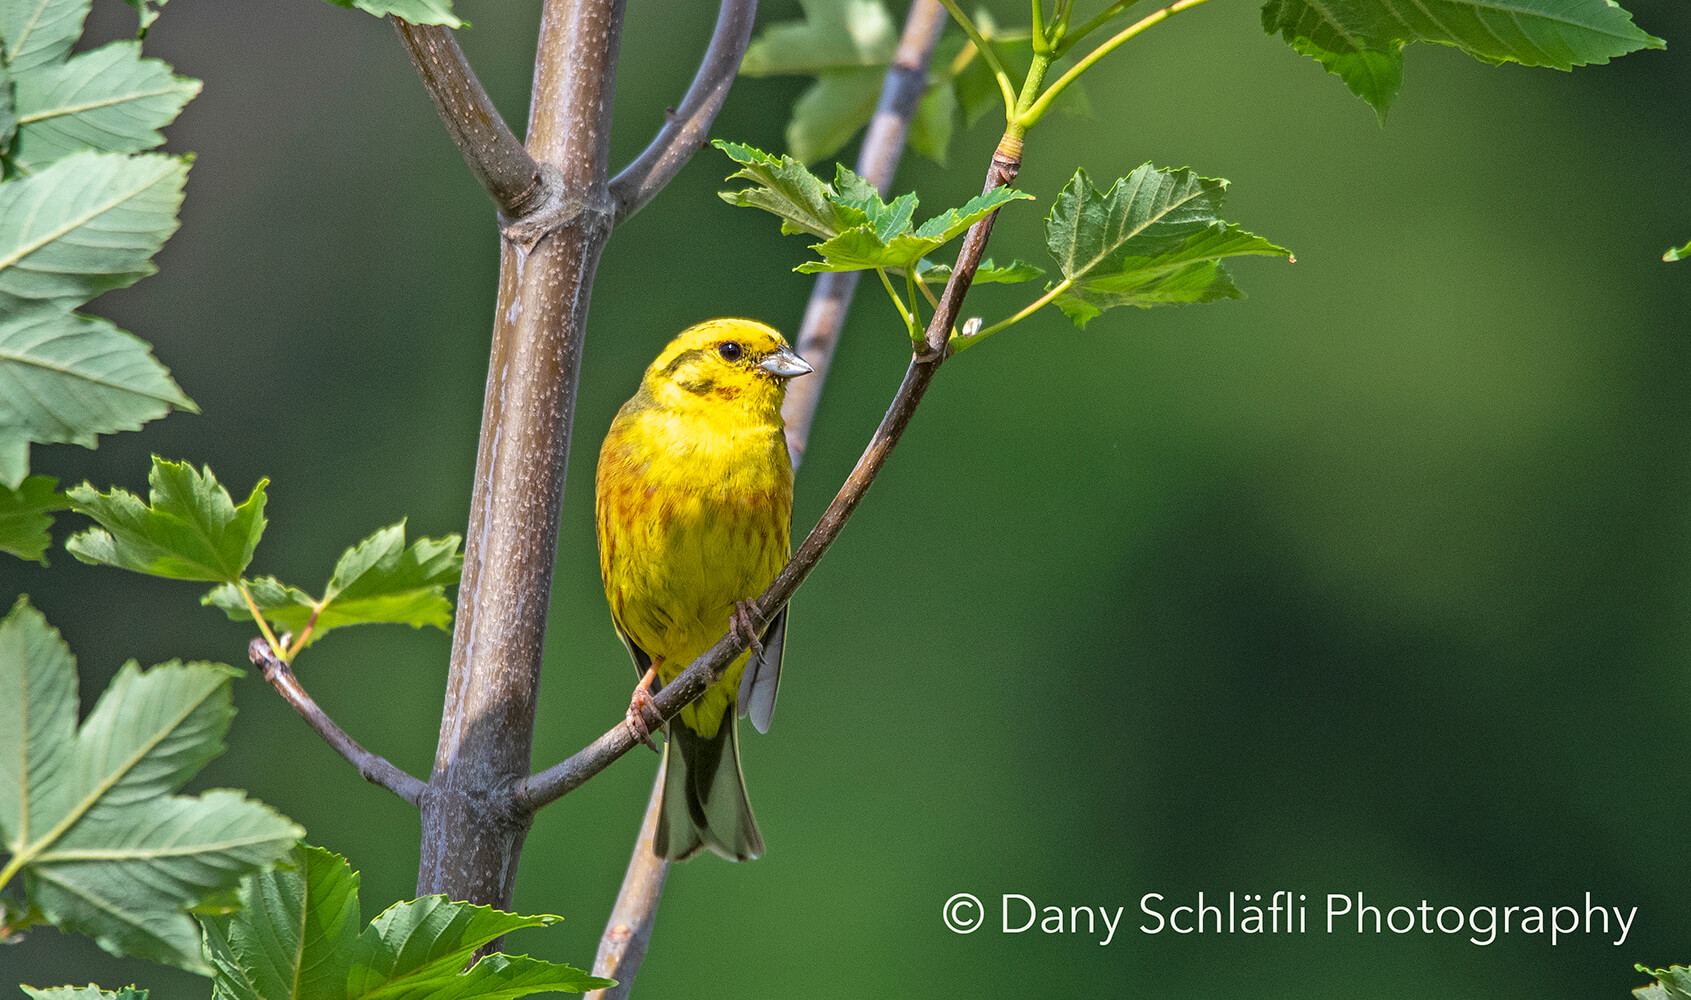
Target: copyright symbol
[964,914]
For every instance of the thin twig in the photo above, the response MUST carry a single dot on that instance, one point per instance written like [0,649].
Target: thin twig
[685,128]
[629,929]
[376,770]
[497,158]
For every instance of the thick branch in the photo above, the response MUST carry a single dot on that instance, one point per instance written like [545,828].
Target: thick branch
[376,770]
[471,840]
[685,127]
[500,163]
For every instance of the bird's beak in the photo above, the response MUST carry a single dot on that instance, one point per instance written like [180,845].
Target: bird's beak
[785,364]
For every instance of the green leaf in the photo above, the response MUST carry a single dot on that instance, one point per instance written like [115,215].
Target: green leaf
[886,240]
[86,224]
[415,11]
[192,530]
[66,378]
[1671,984]
[988,273]
[292,935]
[148,15]
[109,99]
[831,111]
[934,122]
[8,111]
[378,580]
[1155,238]
[835,34]
[23,517]
[40,32]
[783,186]
[1362,41]
[417,950]
[1678,253]
[88,815]
[847,45]
[297,938]
[89,992]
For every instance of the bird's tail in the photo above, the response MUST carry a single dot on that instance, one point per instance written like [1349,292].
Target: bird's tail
[704,796]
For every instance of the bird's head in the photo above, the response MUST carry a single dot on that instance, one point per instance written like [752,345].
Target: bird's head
[725,361]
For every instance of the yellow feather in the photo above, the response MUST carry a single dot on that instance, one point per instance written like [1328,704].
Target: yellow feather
[694,501]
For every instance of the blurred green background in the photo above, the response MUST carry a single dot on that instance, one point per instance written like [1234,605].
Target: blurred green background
[1378,581]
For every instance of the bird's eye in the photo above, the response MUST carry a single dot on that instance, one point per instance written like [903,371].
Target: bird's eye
[730,350]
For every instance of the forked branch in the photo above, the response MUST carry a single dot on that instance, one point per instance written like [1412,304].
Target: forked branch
[494,154]
[685,127]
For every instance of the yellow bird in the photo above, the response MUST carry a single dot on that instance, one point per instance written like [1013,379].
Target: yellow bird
[694,504]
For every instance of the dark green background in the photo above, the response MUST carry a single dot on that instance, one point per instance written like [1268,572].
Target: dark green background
[1378,581]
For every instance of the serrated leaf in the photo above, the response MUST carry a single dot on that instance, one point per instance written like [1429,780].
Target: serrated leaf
[191,530]
[1672,984]
[783,186]
[834,34]
[109,99]
[66,378]
[292,935]
[148,14]
[89,992]
[378,580]
[23,517]
[298,938]
[1361,41]
[415,11]
[1154,238]
[89,223]
[1678,253]
[87,814]
[988,273]
[871,245]
[417,950]
[39,32]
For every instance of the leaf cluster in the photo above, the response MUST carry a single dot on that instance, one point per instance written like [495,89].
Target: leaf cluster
[88,813]
[83,208]
[1155,237]
[190,528]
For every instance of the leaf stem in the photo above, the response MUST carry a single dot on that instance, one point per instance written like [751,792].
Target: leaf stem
[304,633]
[958,343]
[904,314]
[264,626]
[988,53]
[12,868]
[1040,42]
[1108,13]
[1032,115]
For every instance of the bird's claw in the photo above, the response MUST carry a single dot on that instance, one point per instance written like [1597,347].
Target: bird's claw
[742,622]
[643,717]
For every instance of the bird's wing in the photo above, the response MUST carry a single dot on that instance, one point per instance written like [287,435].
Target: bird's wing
[642,661]
[762,679]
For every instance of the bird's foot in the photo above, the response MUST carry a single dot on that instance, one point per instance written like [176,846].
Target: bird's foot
[643,717]
[741,621]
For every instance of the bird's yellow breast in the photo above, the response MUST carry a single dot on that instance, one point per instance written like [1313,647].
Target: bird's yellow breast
[694,503]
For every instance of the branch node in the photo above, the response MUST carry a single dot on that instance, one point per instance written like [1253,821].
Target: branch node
[554,211]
